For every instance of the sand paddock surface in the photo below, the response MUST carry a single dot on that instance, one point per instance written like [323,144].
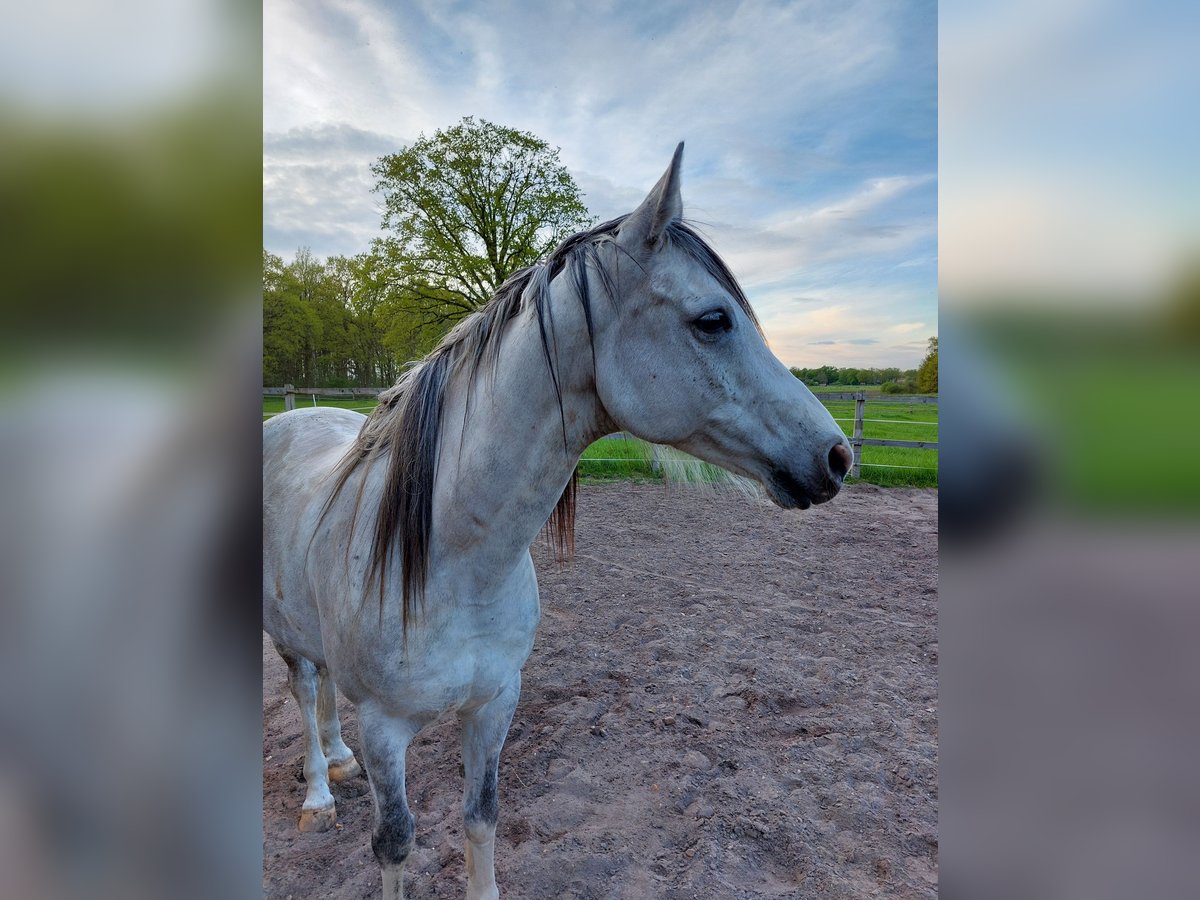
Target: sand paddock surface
[724,700]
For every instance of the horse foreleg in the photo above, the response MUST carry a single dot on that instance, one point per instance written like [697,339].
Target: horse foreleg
[342,764]
[385,740]
[318,812]
[483,733]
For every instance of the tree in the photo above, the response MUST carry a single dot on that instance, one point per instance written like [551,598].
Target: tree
[337,323]
[291,328]
[927,373]
[467,208]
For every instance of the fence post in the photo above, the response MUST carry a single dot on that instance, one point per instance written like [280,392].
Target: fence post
[860,404]
[289,397]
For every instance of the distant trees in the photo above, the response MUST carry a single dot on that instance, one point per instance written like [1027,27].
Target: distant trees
[336,323]
[890,380]
[291,328]
[826,375]
[468,207]
[927,372]
[1183,305]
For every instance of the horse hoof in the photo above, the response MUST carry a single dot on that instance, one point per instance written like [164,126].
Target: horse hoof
[344,771]
[313,820]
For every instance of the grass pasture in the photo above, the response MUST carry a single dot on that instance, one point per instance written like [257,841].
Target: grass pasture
[273,405]
[612,459]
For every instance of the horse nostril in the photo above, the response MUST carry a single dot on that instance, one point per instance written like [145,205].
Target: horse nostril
[841,458]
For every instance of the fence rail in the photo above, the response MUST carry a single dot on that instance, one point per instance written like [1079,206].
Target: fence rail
[288,392]
[857,441]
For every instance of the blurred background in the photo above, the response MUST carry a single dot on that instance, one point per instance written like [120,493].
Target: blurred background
[130,212]
[130,223]
[1069,285]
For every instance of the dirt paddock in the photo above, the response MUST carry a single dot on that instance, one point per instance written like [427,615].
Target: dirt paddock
[724,700]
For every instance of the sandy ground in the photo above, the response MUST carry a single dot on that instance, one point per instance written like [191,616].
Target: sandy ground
[724,700]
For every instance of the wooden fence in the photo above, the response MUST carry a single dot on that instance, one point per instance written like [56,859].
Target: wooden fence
[288,393]
[857,441]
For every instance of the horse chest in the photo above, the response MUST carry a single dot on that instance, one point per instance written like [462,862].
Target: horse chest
[456,660]
[487,646]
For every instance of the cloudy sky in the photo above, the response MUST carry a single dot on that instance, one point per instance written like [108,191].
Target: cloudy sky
[811,131]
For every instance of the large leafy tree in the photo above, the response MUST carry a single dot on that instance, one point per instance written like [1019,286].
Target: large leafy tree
[468,207]
[391,330]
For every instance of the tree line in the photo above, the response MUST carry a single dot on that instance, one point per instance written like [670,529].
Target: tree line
[337,323]
[922,380]
[850,375]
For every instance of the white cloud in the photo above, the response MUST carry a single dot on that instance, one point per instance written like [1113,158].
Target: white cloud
[875,193]
[848,326]
[856,226]
[317,189]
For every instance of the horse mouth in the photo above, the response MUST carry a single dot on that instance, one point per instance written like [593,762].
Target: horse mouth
[788,492]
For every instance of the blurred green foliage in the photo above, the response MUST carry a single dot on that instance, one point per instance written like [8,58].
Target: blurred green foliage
[136,233]
[1115,393]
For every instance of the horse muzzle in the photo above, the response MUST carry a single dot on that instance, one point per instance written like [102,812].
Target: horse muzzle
[821,483]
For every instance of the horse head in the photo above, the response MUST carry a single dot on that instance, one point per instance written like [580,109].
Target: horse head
[685,362]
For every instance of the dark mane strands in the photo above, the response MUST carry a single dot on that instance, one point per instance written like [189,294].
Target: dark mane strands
[406,425]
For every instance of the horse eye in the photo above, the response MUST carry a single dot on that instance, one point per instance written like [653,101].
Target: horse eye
[714,322]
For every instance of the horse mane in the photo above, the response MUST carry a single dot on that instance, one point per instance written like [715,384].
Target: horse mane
[405,428]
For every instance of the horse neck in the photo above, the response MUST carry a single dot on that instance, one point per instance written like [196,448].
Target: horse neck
[503,462]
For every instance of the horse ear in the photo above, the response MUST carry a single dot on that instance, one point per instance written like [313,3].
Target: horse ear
[663,205]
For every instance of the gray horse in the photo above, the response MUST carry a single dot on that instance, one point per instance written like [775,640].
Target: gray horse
[396,546]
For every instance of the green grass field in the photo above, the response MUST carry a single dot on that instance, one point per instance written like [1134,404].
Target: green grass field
[610,459]
[614,459]
[1117,444]
[272,405]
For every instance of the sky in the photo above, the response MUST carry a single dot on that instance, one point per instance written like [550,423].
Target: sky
[811,136]
[1066,161]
